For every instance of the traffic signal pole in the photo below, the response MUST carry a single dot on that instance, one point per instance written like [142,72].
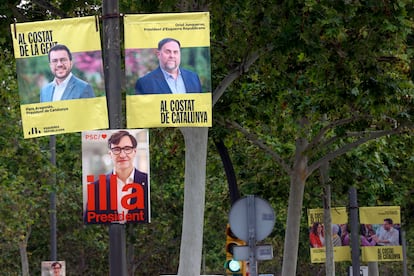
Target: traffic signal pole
[252,219]
[233,266]
[112,71]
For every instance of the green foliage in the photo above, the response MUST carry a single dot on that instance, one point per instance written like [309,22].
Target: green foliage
[323,61]
[23,202]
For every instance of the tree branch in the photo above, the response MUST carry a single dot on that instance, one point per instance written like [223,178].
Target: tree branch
[347,147]
[255,140]
[17,14]
[235,73]
[330,126]
[49,7]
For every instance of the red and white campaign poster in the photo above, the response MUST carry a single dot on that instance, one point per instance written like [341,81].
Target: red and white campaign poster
[116,179]
[60,76]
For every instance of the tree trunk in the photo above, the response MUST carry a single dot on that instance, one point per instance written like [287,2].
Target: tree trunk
[373,269]
[297,187]
[23,257]
[194,198]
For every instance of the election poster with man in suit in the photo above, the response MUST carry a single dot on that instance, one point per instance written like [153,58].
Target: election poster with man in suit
[116,176]
[60,76]
[168,70]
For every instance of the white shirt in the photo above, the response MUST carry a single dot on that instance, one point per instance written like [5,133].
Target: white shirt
[59,89]
[121,194]
[392,236]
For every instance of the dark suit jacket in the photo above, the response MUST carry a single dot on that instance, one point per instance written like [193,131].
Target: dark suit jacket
[139,178]
[155,83]
[75,89]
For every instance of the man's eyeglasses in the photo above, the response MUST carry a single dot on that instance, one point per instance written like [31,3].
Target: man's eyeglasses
[61,60]
[117,150]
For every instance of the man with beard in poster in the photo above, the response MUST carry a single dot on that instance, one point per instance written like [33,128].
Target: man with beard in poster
[65,85]
[169,77]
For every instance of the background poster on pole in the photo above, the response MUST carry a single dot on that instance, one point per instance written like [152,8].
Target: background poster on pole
[116,178]
[340,235]
[380,234]
[53,268]
[151,101]
[79,102]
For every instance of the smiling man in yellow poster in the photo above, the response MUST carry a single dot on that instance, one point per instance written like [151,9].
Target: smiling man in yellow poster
[60,76]
[380,234]
[167,64]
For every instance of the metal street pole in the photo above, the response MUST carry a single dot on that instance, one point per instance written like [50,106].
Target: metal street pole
[251,222]
[112,70]
[53,236]
[354,221]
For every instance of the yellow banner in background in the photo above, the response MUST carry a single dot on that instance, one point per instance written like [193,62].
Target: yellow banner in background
[339,215]
[342,251]
[64,116]
[168,110]
[36,38]
[383,224]
[376,215]
[381,253]
[379,232]
[341,254]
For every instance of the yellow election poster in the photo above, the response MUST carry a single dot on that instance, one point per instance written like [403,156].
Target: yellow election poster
[380,234]
[340,235]
[168,70]
[60,76]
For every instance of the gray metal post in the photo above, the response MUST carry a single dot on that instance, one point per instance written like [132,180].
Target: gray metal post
[112,62]
[404,249]
[251,219]
[112,70]
[53,235]
[117,250]
[354,221]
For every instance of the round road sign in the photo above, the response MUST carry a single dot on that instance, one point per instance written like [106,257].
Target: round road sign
[264,218]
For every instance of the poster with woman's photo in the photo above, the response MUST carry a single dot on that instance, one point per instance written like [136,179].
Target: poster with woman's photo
[339,232]
[60,76]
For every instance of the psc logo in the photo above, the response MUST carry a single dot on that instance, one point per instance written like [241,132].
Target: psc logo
[95,137]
